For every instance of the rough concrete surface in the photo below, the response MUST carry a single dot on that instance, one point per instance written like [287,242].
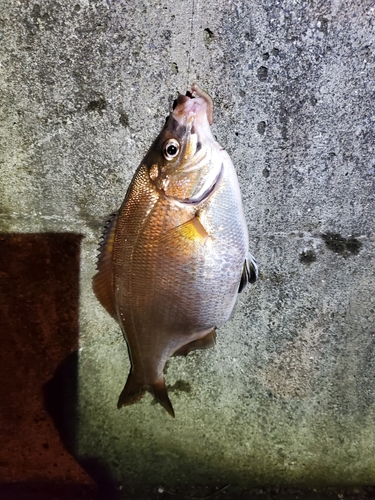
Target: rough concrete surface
[287,395]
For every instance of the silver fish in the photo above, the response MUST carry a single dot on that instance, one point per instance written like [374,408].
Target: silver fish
[175,255]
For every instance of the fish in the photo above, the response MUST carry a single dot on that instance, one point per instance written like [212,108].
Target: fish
[175,255]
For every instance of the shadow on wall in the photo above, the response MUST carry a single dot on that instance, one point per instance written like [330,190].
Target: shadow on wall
[60,394]
[39,327]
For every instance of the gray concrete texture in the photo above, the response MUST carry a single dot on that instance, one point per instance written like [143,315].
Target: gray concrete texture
[287,395]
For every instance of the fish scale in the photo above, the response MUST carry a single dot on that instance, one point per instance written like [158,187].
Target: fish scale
[174,258]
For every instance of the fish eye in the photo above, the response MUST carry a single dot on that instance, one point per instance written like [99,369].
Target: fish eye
[171,149]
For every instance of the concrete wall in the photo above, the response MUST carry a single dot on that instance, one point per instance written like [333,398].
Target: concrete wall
[287,394]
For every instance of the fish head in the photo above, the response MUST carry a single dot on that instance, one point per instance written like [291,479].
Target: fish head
[185,163]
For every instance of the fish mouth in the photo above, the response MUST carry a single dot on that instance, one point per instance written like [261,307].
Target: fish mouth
[196,105]
[182,99]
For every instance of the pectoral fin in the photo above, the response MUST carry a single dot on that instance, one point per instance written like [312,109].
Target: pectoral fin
[249,272]
[190,231]
[102,281]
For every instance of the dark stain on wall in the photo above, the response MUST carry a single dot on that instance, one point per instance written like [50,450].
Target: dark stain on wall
[343,246]
[307,256]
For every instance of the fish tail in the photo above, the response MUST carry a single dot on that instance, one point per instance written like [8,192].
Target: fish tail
[134,391]
[160,393]
[131,393]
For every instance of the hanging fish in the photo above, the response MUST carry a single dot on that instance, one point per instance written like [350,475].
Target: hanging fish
[175,255]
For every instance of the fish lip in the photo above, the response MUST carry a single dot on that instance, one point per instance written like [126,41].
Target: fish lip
[181,99]
[188,108]
[204,196]
[202,94]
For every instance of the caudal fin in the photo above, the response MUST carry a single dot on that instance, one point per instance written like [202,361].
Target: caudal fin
[160,393]
[134,391]
[131,393]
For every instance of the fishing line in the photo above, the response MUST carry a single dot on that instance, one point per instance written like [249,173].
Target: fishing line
[194,9]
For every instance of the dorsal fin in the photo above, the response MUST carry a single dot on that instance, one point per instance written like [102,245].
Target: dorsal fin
[102,281]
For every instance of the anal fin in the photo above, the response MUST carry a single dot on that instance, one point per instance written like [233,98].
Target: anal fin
[205,342]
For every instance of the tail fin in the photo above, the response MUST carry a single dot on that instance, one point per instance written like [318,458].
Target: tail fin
[131,393]
[161,395]
[134,391]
